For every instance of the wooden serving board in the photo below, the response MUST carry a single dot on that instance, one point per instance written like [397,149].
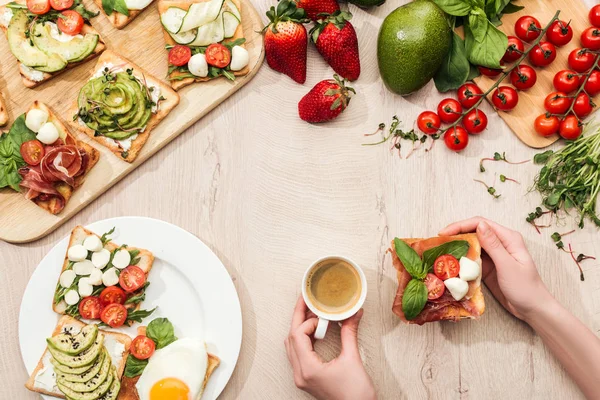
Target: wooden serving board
[531,102]
[143,43]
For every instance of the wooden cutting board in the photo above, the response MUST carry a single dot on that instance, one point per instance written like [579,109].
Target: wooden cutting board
[142,42]
[531,102]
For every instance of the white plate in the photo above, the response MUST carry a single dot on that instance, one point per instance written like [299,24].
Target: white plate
[188,283]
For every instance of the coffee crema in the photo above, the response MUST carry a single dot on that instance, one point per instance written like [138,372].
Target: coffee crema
[333,286]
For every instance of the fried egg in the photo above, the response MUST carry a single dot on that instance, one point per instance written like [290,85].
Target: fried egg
[175,372]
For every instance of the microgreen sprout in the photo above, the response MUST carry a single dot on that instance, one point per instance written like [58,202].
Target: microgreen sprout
[534,216]
[498,157]
[397,135]
[504,178]
[490,189]
[578,260]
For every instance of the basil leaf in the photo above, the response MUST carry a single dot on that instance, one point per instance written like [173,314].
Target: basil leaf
[455,69]
[478,23]
[410,259]
[457,8]
[108,6]
[10,153]
[121,7]
[134,367]
[457,248]
[473,72]
[414,299]
[161,331]
[490,50]
[512,8]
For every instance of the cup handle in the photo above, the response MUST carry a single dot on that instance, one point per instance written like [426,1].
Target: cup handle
[321,328]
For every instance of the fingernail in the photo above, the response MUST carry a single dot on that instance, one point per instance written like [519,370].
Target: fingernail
[483,228]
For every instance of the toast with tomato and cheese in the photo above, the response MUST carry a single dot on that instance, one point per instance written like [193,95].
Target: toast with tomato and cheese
[107,351]
[121,13]
[3,112]
[452,300]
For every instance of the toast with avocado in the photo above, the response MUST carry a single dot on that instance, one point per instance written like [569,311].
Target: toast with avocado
[81,362]
[3,112]
[120,105]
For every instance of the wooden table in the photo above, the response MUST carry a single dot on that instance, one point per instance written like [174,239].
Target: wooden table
[269,194]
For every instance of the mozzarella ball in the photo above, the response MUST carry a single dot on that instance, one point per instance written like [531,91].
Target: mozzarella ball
[71,297]
[84,287]
[239,58]
[457,288]
[95,277]
[198,66]
[101,258]
[66,278]
[92,243]
[469,269]
[84,267]
[77,253]
[35,119]
[121,259]
[47,133]
[109,277]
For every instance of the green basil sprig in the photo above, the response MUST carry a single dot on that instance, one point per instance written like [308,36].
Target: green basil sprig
[10,153]
[161,331]
[134,367]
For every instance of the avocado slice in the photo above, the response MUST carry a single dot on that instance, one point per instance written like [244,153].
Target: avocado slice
[93,395]
[76,49]
[85,358]
[70,344]
[93,383]
[113,392]
[65,369]
[25,51]
[85,375]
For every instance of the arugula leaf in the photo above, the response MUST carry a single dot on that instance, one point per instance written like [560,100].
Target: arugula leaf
[455,69]
[10,153]
[139,315]
[134,367]
[161,331]
[410,259]
[106,236]
[457,248]
[488,51]
[414,299]
[457,8]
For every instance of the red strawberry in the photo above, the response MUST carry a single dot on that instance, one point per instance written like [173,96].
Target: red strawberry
[285,40]
[315,7]
[325,101]
[336,40]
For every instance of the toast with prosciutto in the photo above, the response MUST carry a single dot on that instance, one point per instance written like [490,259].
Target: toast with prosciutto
[438,279]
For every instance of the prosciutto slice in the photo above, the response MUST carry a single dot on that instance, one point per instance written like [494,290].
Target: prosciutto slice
[62,164]
[37,187]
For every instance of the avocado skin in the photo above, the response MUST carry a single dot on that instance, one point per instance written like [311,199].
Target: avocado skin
[413,41]
[366,3]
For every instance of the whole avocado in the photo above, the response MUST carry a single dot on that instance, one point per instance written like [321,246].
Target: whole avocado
[366,3]
[412,44]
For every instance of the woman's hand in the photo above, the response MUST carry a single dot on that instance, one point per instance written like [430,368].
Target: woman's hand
[343,378]
[508,270]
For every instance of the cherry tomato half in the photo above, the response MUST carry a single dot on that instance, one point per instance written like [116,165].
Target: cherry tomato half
[38,7]
[570,128]
[468,95]
[61,5]
[142,347]
[594,16]
[475,122]
[542,54]
[528,28]
[546,125]
[449,110]
[90,307]
[32,152]
[114,315]
[514,50]
[429,122]
[523,77]
[566,81]
[590,38]
[583,105]
[581,60]
[505,98]
[112,295]
[557,103]
[132,278]
[217,55]
[592,86]
[456,138]
[70,22]
[179,55]
[559,33]
[446,267]
[435,287]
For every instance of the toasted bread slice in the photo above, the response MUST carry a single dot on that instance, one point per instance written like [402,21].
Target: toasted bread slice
[171,99]
[163,5]
[52,205]
[23,70]
[3,112]
[78,235]
[117,19]
[66,320]
[471,307]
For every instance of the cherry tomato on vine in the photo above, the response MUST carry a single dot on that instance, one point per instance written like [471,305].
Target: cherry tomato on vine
[468,95]
[594,16]
[546,125]
[505,98]
[581,60]
[570,128]
[456,138]
[429,122]
[559,33]
[523,77]
[566,81]
[528,28]
[449,110]
[514,50]
[557,103]
[475,122]
[583,105]
[592,86]
[590,38]
[542,54]
[492,73]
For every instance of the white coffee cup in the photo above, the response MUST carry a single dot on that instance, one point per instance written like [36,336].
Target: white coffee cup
[325,317]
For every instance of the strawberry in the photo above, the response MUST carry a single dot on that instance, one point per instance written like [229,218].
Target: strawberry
[315,7]
[285,40]
[336,40]
[325,101]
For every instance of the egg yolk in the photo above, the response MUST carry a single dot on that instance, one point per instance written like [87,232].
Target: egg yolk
[170,389]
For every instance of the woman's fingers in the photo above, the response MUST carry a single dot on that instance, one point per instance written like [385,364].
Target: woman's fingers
[299,315]
[492,244]
[349,334]
[302,343]
[490,278]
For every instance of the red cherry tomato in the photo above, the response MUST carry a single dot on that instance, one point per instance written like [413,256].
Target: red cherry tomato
[527,28]
[142,347]
[583,106]
[566,81]
[435,287]
[132,278]
[475,122]
[179,55]
[523,77]
[112,295]
[90,307]
[446,267]
[456,138]
[32,152]
[492,73]
[514,50]
[546,125]
[557,103]
[570,128]
[217,55]
[581,60]
[38,7]
[429,122]
[114,315]
[594,16]
[542,54]
[590,38]
[449,110]
[559,33]
[60,5]
[468,95]
[592,86]
[505,98]
[70,22]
